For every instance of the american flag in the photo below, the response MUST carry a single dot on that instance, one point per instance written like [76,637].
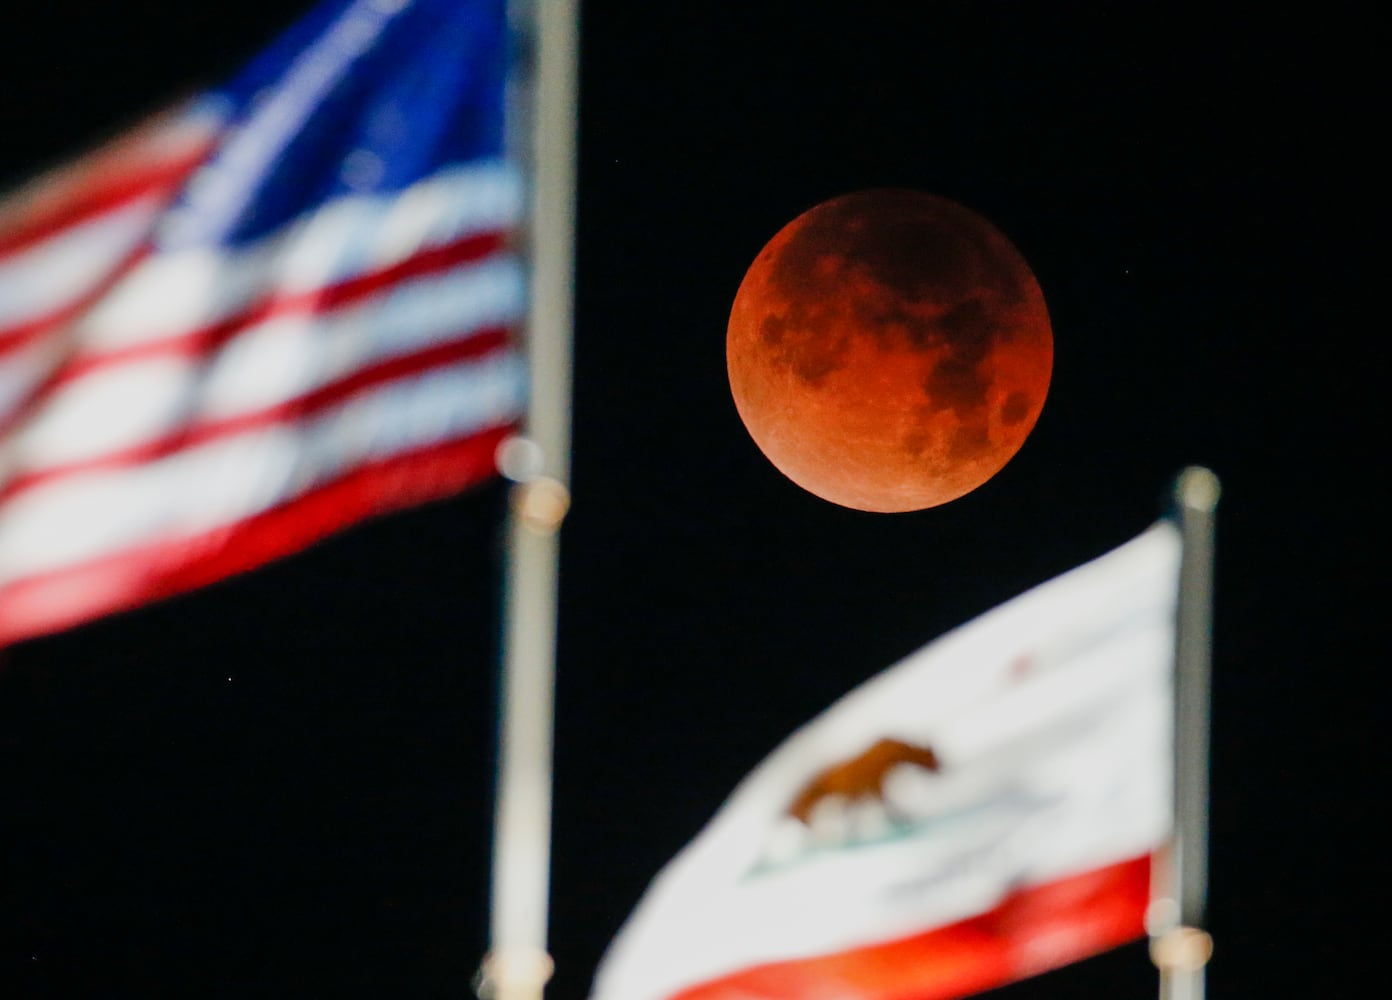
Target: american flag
[262,316]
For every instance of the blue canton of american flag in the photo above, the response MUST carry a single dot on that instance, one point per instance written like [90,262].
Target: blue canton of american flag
[260,317]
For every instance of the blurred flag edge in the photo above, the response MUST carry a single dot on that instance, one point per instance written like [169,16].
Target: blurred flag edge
[288,305]
[990,808]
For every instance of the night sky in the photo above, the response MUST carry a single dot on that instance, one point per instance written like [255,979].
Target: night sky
[281,785]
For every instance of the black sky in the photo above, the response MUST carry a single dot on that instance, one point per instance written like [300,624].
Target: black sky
[281,785]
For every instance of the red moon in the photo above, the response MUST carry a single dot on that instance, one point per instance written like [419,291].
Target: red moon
[889,350]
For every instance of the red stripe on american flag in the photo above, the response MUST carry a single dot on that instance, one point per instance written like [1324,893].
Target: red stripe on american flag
[48,602]
[98,191]
[1033,930]
[467,250]
[17,336]
[474,345]
[198,342]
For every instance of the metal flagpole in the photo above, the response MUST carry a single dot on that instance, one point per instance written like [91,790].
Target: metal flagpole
[1179,945]
[518,966]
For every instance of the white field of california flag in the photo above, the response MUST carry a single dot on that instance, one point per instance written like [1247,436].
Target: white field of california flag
[983,811]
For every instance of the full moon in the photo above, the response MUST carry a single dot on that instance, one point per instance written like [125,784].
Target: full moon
[889,350]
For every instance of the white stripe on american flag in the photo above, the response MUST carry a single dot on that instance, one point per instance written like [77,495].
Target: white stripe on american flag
[65,237]
[170,293]
[52,273]
[265,364]
[23,369]
[156,155]
[96,514]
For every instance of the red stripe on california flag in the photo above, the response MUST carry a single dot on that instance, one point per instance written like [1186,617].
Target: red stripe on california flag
[99,188]
[48,602]
[1032,931]
[199,342]
[474,345]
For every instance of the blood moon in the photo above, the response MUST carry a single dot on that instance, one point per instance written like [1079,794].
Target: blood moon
[889,350]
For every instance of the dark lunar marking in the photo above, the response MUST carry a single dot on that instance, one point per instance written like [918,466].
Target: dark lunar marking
[890,319]
[924,253]
[969,322]
[970,441]
[904,240]
[919,247]
[957,383]
[810,351]
[807,338]
[914,443]
[814,366]
[921,334]
[1015,408]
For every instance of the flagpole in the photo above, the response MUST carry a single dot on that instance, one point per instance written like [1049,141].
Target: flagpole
[1179,945]
[543,122]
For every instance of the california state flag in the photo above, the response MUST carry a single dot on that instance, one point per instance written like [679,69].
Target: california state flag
[981,812]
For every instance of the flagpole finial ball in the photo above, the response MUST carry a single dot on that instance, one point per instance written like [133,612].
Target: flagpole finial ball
[1183,949]
[542,504]
[889,350]
[1198,488]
